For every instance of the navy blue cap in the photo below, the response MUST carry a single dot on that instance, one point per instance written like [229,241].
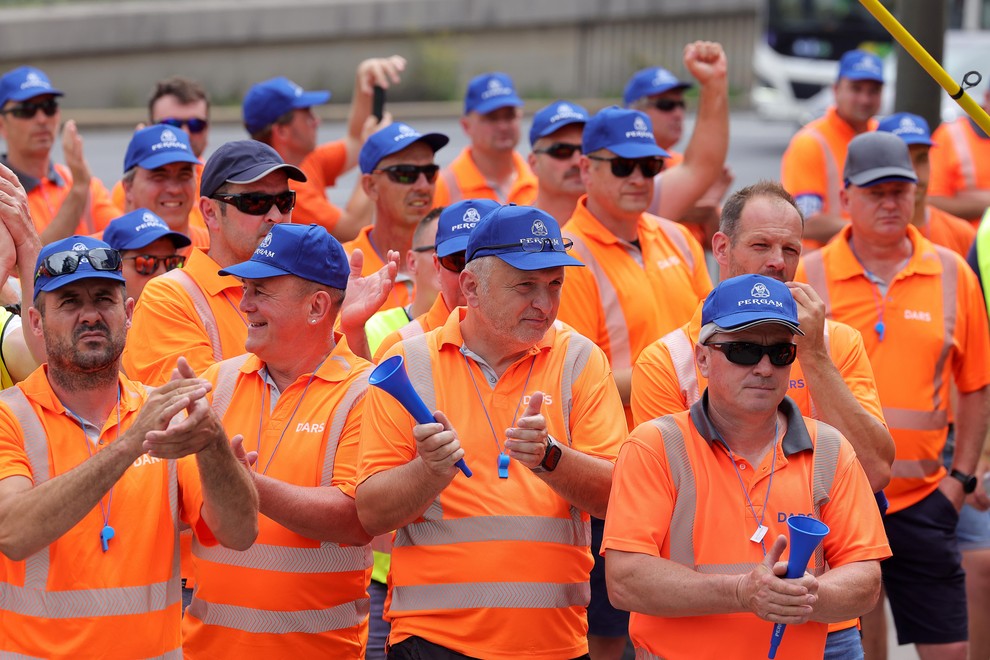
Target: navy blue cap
[243,161]
[650,82]
[554,117]
[158,145]
[456,222]
[860,65]
[266,101]
[626,133]
[306,251]
[913,129]
[138,229]
[877,157]
[508,232]
[742,302]
[84,271]
[393,139]
[23,83]
[489,92]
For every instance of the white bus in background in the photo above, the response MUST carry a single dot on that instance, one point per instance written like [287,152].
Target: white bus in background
[796,58]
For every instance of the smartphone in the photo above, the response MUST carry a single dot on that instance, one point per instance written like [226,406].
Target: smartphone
[378,104]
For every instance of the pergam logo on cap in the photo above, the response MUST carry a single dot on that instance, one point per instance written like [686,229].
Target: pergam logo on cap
[663,77]
[296,89]
[907,125]
[539,229]
[760,290]
[79,247]
[267,241]
[495,88]
[148,221]
[405,132]
[639,124]
[472,216]
[33,80]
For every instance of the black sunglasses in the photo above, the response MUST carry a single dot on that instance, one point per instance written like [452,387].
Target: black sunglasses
[748,354]
[195,125]
[530,245]
[453,262]
[28,109]
[409,174]
[650,166]
[146,264]
[67,262]
[257,203]
[560,150]
[666,105]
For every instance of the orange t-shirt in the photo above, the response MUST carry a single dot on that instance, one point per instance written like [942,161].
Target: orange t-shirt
[195,215]
[657,387]
[943,228]
[71,594]
[959,160]
[167,325]
[641,519]
[471,183]
[276,598]
[435,317]
[496,568]
[916,362]
[403,291]
[322,167]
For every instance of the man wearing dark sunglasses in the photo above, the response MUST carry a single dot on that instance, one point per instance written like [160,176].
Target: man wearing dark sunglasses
[147,247]
[398,175]
[490,167]
[280,113]
[716,485]
[193,311]
[555,138]
[64,199]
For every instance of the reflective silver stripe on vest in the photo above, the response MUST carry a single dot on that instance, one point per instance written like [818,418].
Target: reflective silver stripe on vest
[643,654]
[412,329]
[905,469]
[478,529]
[328,558]
[620,351]
[88,603]
[673,233]
[686,500]
[814,272]
[453,188]
[967,166]
[478,595]
[202,307]
[416,353]
[339,617]
[832,184]
[950,277]
[579,349]
[824,464]
[916,420]
[227,371]
[355,392]
[682,356]
[9,655]
[726,569]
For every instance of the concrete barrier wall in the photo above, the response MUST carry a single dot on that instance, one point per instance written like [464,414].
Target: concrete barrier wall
[107,55]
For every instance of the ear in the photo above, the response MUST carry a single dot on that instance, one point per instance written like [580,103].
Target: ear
[469,287]
[35,321]
[585,166]
[369,186]
[531,159]
[128,311]
[703,356]
[844,199]
[466,125]
[720,249]
[208,207]
[320,306]
[411,262]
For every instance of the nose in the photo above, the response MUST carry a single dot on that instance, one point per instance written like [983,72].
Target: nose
[763,367]
[542,300]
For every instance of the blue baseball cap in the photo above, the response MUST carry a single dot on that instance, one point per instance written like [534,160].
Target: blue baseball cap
[306,251]
[243,161]
[650,82]
[266,101]
[746,301]
[85,270]
[138,229]
[522,236]
[860,65]
[489,92]
[554,117]
[457,221]
[913,129]
[158,145]
[393,139]
[23,83]
[626,133]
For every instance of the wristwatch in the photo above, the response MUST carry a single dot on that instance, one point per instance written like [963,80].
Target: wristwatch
[550,457]
[968,481]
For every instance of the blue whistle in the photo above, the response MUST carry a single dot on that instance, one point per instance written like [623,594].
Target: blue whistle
[503,466]
[105,535]
[880,327]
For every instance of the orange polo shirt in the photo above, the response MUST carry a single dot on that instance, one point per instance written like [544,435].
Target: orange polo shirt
[166,324]
[463,574]
[641,520]
[80,587]
[403,291]
[959,160]
[657,390]
[627,298]
[471,183]
[943,228]
[812,175]
[322,167]
[915,363]
[45,197]
[195,215]
[277,598]
[435,317]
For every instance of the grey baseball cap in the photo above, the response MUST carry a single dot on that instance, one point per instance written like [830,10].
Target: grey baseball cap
[878,157]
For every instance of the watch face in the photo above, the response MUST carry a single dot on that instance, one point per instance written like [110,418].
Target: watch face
[551,458]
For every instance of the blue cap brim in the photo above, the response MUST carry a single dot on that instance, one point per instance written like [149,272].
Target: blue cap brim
[254,270]
[453,245]
[863,76]
[637,150]
[498,103]
[553,128]
[309,99]
[157,160]
[32,92]
[535,260]
[146,238]
[54,283]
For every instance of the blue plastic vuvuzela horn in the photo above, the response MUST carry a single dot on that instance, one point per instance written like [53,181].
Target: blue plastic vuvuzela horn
[806,534]
[391,376]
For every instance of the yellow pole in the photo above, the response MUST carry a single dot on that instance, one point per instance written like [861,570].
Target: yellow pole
[934,69]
